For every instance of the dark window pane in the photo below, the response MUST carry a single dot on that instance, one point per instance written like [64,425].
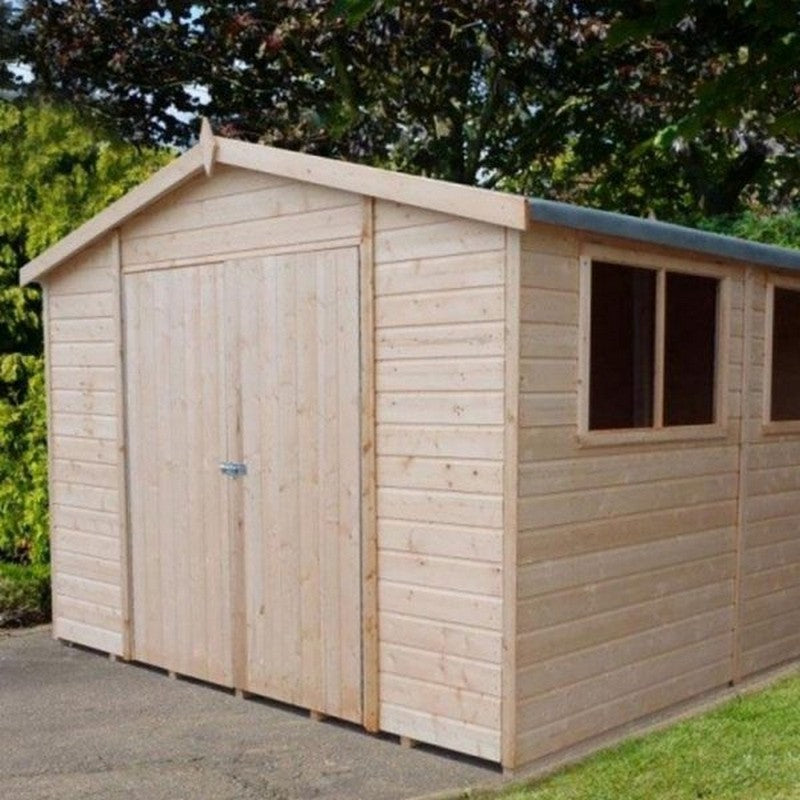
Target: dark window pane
[690,345]
[786,355]
[622,338]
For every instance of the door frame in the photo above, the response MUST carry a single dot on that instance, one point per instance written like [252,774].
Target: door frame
[368,481]
[369,525]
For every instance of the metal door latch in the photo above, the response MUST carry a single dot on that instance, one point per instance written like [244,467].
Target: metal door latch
[233,469]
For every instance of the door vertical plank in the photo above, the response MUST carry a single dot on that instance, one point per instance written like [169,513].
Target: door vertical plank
[329,490]
[233,404]
[368,481]
[349,420]
[307,400]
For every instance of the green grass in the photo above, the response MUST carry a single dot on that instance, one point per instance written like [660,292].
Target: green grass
[24,594]
[748,749]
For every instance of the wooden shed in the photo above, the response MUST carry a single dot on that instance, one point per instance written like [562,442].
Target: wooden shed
[497,474]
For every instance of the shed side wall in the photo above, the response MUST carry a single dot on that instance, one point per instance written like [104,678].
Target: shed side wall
[625,556]
[770,589]
[439,284]
[85,504]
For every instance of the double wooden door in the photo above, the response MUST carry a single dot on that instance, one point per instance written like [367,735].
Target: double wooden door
[253,580]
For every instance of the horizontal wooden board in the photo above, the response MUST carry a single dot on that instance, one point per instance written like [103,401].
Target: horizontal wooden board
[460,475]
[548,408]
[583,602]
[390,216]
[313,226]
[549,305]
[480,408]
[91,614]
[606,657]
[482,304]
[548,375]
[769,581]
[440,668]
[543,644]
[94,379]
[440,341]
[540,270]
[450,441]
[432,636]
[87,544]
[591,569]
[441,701]
[88,426]
[548,341]
[87,473]
[75,401]
[91,636]
[90,498]
[436,572]
[283,198]
[100,523]
[477,611]
[462,271]
[610,471]
[551,239]
[81,306]
[542,740]
[452,237]
[776,652]
[583,506]
[78,565]
[453,734]
[82,354]
[454,508]
[97,329]
[599,535]
[436,539]
[439,375]
[569,700]
[89,591]
[100,451]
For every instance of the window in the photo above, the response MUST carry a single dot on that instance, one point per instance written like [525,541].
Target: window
[652,348]
[785,392]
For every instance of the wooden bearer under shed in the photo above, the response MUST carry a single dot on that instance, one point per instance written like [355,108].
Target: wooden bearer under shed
[495,474]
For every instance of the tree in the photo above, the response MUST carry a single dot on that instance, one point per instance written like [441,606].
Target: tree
[646,106]
[55,172]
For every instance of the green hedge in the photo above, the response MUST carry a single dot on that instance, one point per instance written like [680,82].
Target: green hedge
[24,594]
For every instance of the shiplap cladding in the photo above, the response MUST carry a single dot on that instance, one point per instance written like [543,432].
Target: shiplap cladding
[626,554]
[238,211]
[440,378]
[770,605]
[84,504]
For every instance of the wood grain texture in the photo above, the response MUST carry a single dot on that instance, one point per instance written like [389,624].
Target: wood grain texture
[441,418]
[86,470]
[626,555]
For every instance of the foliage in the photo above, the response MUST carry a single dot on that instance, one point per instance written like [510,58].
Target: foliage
[745,750]
[24,594]
[55,172]
[679,108]
[782,230]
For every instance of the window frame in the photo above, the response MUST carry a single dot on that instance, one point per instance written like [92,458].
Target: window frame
[768,425]
[660,264]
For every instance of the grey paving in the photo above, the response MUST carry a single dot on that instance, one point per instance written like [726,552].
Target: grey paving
[75,725]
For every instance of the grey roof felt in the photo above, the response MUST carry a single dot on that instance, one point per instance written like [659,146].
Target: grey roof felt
[662,233]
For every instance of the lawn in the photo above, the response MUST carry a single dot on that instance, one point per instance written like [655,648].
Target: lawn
[748,749]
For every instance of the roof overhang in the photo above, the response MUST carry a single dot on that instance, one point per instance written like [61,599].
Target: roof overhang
[664,234]
[482,205]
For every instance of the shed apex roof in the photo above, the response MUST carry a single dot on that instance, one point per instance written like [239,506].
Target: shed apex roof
[498,208]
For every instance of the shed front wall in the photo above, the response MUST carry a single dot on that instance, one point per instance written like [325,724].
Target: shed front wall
[85,432]
[440,339]
[440,344]
[626,553]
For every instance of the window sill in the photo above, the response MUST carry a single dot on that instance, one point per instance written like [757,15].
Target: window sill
[782,428]
[678,433]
